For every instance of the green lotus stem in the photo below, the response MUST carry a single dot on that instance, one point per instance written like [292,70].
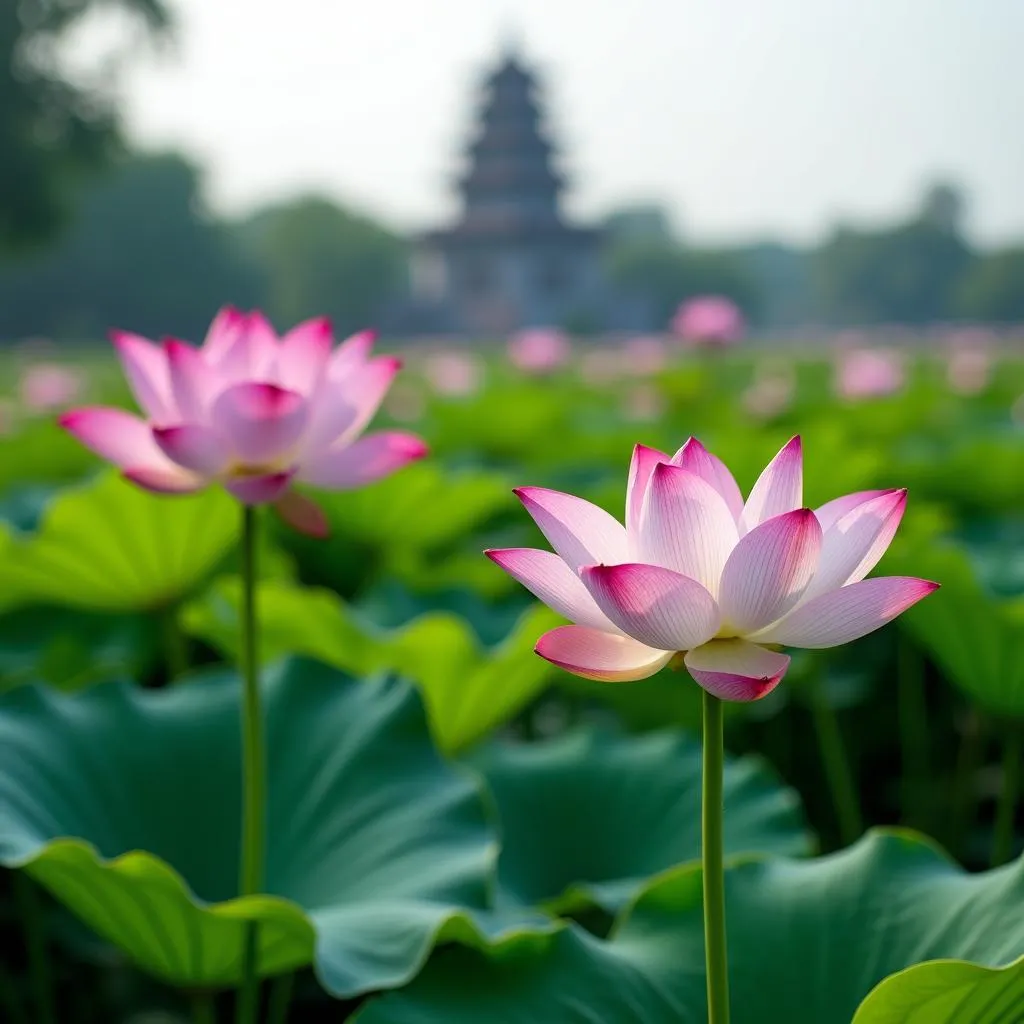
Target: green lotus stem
[10,999]
[280,998]
[203,1009]
[712,821]
[838,773]
[1006,809]
[913,724]
[40,973]
[175,645]
[968,760]
[254,770]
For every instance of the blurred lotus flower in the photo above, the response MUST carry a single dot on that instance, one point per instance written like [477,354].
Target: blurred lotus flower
[251,411]
[601,365]
[969,365]
[701,578]
[47,386]
[8,417]
[708,320]
[539,349]
[643,403]
[770,395]
[405,402]
[644,356]
[455,374]
[869,373]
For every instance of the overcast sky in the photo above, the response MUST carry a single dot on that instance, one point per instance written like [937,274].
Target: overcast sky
[744,117]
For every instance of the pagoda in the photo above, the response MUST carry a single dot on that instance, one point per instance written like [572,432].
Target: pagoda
[511,260]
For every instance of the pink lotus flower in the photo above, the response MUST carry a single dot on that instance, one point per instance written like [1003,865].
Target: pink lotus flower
[644,355]
[699,577]
[47,386]
[709,320]
[539,349]
[455,374]
[869,373]
[250,411]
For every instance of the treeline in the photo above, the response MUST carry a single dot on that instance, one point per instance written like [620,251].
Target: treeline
[922,270]
[143,250]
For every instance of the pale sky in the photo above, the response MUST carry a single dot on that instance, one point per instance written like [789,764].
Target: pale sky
[744,117]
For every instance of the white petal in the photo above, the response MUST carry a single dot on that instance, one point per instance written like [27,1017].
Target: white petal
[769,570]
[780,488]
[580,532]
[685,525]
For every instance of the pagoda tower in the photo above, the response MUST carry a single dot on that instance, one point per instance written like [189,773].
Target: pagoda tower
[511,260]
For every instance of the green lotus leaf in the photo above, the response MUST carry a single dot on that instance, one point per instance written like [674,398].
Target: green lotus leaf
[468,689]
[974,637]
[71,649]
[808,941]
[947,992]
[589,817]
[377,848]
[110,546]
[412,525]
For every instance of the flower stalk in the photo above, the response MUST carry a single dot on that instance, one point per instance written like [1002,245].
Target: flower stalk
[254,769]
[712,842]
[838,773]
[40,972]
[1009,794]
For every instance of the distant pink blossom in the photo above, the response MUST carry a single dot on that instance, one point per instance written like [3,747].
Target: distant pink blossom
[969,370]
[539,349]
[709,320]
[869,373]
[45,387]
[643,403]
[644,356]
[455,374]
[770,394]
[700,578]
[601,365]
[405,402]
[252,412]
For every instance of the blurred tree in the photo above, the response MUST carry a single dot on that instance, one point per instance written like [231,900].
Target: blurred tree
[993,287]
[52,126]
[943,207]
[906,274]
[641,221]
[141,253]
[663,273]
[318,258]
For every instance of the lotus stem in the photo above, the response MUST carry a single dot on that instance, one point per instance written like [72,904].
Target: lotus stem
[40,972]
[838,773]
[1006,809]
[712,842]
[972,747]
[175,645]
[254,770]
[280,998]
[204,1011]
[913,720]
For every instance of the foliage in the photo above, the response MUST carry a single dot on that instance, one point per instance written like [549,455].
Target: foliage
[456,848]
[808,942]
[142,254]
[52,128]
[376,845]
[321,259]
[993,287]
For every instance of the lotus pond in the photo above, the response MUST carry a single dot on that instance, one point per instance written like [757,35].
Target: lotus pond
[457,830]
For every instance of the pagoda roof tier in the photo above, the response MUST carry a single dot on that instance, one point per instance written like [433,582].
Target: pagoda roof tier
[502,231]
[510,178]
[518,140]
